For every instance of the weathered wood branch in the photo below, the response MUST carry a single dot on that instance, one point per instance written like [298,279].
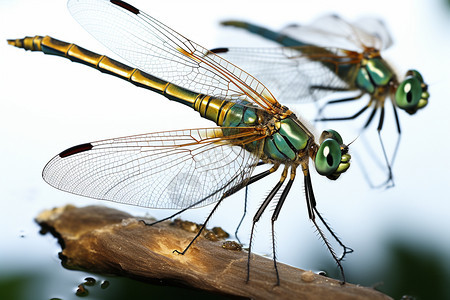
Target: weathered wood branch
[104,240]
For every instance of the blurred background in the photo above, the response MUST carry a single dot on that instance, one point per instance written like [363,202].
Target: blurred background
[401,236]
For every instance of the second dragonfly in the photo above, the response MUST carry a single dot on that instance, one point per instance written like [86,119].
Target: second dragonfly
[329,56]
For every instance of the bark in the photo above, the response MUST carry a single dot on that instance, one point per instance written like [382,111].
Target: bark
[108,241]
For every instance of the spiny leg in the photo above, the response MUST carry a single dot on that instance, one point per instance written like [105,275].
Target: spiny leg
[225,195]
[275,217]
[259,213]
[347,250]
[171,216]
[243,215]
[202,227]
[251,180]
[229,193]
[311,203]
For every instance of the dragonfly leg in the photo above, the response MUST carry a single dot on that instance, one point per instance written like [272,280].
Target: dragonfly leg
[172,216]
[243,215]
[369,120]
[347,250]
[202,227]
[388,163]
[327,88]
[394,154]
[275,217]
[397,121]
[228,193]
[390,180]
[225,195]
[259,213]
[252,180]
[354,116]
[344,118]
[336,101]
[312,211]
[399,131]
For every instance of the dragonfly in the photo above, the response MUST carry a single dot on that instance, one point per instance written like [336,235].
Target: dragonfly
[188,168]
[332,56]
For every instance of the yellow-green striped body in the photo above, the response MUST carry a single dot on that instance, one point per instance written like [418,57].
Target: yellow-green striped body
[288,137]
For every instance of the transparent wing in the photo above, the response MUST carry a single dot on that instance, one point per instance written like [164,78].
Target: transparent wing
[156,49]
[172,169]
[301,73]
[333,31]
[376,28]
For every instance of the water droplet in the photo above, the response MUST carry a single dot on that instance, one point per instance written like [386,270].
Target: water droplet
[221,234]
[211,236]
[321,273]
[104,284]
[89,281]
[186,225]
[232,245]
[81,291]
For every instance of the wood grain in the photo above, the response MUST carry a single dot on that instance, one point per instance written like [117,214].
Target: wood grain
[108,241]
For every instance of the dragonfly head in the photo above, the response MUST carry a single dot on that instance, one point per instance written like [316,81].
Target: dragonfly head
[412,93]
[332,158]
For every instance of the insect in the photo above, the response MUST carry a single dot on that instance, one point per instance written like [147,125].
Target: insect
[333,56]
[187,168]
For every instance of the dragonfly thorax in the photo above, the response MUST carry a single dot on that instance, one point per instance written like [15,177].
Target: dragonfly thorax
[374,73]
[377,78]
[287,139]
[290,142]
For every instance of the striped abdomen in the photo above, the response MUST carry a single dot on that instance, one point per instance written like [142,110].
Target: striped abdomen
[222,112]
[287,139]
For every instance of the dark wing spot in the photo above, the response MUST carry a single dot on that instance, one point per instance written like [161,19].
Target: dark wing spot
[126,6]
[76,149]
[219,50]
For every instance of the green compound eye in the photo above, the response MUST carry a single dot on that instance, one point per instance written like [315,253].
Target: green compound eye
[331,134]
[409,93]
[328,157]
[416,74]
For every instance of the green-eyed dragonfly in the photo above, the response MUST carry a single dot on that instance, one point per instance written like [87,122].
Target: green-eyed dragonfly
[188,168]
[330,56]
